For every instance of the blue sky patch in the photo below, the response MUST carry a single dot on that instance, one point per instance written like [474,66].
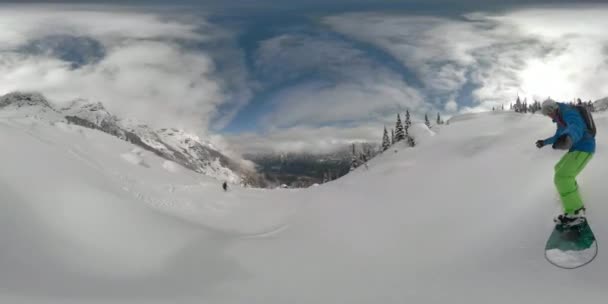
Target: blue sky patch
[77,51]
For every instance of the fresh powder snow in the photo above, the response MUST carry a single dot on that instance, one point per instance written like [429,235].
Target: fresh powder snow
[461,218]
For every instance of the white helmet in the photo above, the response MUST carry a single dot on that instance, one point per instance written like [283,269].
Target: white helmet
[549,106]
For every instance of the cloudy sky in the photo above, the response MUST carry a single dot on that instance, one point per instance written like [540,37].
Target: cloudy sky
[302,75]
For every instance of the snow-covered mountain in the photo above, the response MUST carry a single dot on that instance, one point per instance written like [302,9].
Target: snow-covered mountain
[27,105]
[601,104]
[175,145]
[461,218]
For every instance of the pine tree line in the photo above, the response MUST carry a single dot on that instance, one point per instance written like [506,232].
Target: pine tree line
[587,104]
[365,153]
[524,107]
[439,121]
[401,131]
[502,108]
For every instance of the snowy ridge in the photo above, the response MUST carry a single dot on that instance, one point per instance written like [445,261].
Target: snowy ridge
[95,113]
[187,149]
[601,104]
[27,105]
[19,100]
[177,145]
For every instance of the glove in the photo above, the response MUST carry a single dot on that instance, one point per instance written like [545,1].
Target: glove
[564,142]
[540,143]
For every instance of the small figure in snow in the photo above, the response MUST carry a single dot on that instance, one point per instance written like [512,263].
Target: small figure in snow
[225,186]
[574,134]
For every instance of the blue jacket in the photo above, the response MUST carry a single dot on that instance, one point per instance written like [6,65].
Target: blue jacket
[575,127]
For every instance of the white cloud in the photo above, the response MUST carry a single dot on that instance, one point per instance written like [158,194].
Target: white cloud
[530,52]
[499,55]
[147,72]
[451,106]
[576,67]
[558,22]
[347,85]
[437,49]
[150,71]
[289,56]
[305,139]
[321,104]
[23,23]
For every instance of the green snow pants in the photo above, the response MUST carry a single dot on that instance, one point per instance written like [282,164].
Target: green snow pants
[566,171]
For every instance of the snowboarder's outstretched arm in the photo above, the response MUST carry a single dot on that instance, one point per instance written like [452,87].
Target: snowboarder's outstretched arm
[551,140]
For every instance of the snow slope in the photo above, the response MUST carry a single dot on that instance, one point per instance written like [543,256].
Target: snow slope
[601,104]
[461,218]
[172,144]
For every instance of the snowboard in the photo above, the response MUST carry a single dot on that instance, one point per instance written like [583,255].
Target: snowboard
[571,247]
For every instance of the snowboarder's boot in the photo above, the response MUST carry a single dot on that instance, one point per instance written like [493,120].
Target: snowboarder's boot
[567,220]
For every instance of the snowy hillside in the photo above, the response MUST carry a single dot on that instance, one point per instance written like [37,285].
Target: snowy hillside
[175,145]
[601,104]
[462,218]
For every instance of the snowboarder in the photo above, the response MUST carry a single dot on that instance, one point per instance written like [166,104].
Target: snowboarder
[575,135]
[225,186]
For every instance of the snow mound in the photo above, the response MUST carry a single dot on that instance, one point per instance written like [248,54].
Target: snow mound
[171,166]
[135,157]
[420,131]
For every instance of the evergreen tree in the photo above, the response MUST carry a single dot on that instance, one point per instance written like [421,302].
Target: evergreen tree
[426,121]
[392,137]
[518,105]
[408,121]
[438,119]
[410,141]
[399,132]
[385,141]
[535,107]
[354,163]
